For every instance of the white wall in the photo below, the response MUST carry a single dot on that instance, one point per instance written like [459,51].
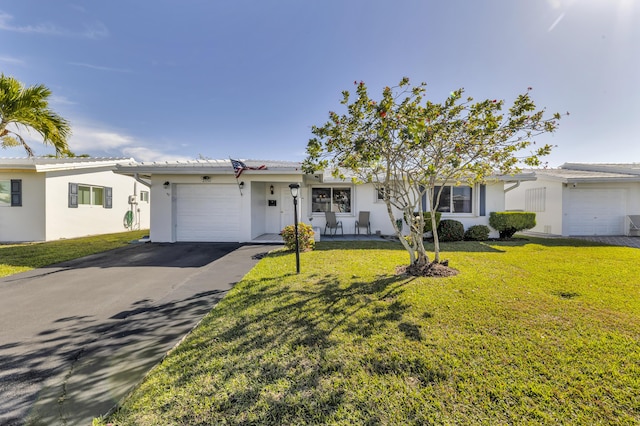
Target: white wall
[45,214]
[258,209]
[63,221]
[548,221]
[365,199]
[255,216]
[25,223]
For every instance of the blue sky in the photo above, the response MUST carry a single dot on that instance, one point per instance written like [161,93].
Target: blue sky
[178,79]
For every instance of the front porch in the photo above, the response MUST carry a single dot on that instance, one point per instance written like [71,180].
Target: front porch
[277,239]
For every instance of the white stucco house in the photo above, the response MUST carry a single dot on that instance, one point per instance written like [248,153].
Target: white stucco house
[203,200]
[578,198]
[43,199]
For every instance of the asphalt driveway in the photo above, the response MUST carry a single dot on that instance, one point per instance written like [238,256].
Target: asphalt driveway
[77,336]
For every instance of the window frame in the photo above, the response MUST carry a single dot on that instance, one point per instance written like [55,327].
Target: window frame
[472,199]
[144,196]
[331,199]
[78,193]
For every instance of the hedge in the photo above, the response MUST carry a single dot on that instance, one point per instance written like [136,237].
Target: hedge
[508,223]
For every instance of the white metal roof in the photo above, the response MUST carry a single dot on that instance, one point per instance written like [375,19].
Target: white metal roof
[208,166]
[46,164]
[590,172]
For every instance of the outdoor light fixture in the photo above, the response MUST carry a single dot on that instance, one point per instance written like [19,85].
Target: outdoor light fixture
[166,184]
[295,188]
[271,189]
[241,184]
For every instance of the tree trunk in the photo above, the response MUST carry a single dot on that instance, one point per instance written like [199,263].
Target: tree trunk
[436,240]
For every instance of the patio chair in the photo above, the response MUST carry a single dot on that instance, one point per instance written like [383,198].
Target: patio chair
[634,225]
[363,222]
[332,223]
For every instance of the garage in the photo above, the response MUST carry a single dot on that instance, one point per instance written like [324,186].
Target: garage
[595,212]
[207,212]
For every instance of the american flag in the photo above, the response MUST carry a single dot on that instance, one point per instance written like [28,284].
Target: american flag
[239,167]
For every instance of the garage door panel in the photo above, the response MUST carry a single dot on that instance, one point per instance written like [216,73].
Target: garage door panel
[207,212]
[596,212]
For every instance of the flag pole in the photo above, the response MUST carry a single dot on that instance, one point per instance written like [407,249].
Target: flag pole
[237,171]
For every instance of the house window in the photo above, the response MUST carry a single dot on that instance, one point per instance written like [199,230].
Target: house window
[5,193]
[88,195]
[144,196]
[535,199]
[331,200]
[455,199]
[11,193]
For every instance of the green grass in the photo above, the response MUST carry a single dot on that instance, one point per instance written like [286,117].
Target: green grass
[16,258]
[530,332]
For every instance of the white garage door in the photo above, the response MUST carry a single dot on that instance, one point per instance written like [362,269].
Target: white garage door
[596,212]
[207,213]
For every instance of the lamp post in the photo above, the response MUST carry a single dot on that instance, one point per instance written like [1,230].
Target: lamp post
[294,187]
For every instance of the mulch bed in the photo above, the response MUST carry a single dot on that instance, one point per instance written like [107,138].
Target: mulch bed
[431,269]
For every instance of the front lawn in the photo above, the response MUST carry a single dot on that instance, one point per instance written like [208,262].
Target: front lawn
[530,332]
[16,258]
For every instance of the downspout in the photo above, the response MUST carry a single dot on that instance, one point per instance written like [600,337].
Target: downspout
[144,182]
[512,187]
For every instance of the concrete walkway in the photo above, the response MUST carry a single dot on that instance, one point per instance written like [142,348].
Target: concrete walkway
[76,337]
[614,240]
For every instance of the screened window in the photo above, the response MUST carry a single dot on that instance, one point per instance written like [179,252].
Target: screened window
[11,193]
[144,196]
[90,195]
[331,200]
[455,199]
[5,193]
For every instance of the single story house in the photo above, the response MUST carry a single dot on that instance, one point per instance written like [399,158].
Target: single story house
[578,198]
[211,200]
[43,199]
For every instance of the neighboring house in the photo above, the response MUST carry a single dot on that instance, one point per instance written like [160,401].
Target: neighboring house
[578,199]
[202,200]
[43,199]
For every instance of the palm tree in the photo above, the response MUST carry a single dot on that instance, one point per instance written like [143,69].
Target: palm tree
[28,107]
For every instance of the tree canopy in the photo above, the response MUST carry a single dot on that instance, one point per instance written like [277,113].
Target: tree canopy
[408,147]
[28,108]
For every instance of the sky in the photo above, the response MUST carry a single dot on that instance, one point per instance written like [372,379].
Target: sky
[165,80]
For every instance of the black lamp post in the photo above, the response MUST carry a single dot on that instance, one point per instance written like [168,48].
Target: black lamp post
[294,187]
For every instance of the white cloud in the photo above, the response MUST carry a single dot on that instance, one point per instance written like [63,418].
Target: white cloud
[96,141]
[555,4]
[141,153]
[95,30]
[60,100]
[12,60]
[88,139]
[99,67]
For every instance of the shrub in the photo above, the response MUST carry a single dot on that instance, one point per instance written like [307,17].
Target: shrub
[477,233]
[305,237]
[508,223]
[450,230]
[427,220]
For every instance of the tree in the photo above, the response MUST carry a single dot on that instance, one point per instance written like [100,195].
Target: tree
[28,107]
[408,147]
